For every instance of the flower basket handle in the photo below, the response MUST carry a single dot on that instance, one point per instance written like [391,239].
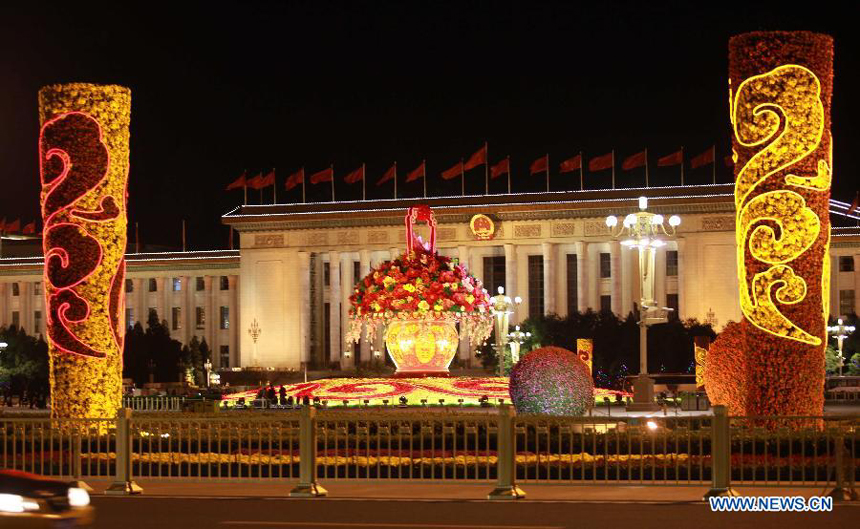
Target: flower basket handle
[416,213]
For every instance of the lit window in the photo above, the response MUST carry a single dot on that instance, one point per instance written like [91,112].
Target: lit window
[225,356]
[225,317]
[177,284]
[494,273]
[225,283]
[129,318]
[153,285]
[37,288]
[671,263]
[200,317]
[846,302]
[176,318]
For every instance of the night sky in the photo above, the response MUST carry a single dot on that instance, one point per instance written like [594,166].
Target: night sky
[218,88]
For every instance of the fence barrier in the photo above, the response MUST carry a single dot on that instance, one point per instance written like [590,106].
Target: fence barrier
[154,403]
[493,446]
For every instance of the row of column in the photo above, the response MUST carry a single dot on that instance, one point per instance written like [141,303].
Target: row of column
[623,288]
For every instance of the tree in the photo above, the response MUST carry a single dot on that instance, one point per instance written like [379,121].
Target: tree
[24,366]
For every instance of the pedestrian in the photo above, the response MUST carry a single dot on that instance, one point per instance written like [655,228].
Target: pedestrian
[282,393]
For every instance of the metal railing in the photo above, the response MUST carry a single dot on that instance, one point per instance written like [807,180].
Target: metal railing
[313,444]
[154,403]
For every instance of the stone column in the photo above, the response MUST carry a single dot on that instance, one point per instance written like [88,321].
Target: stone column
[465,350]
[27,306]
[549,284]
[347,282]
[210,321]
[511,277]
[364,269]
[305,309]
[164,297]
[593,263]
[628,281]
[856,284]
[140,289]
[4,305]
[660,276]
[378,341]
[188,312]
[334,306]
[615,280]
[581,276]
[682,274]
[235,318]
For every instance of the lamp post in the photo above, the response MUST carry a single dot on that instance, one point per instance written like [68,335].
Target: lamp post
[516,339]
[502,308]
[645,232]
[840,331]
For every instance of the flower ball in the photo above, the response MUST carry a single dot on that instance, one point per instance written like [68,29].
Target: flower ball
[551,381]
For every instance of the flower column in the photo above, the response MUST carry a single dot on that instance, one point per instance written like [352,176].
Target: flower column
[83,160]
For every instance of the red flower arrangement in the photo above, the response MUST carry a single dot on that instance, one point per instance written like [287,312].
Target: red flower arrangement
[421,285]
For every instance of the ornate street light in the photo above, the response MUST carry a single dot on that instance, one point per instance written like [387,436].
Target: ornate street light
[840,331]
[502,308]
[645,232]
[255,331]
[516,339]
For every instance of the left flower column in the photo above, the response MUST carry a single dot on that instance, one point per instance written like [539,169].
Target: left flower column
[83,160]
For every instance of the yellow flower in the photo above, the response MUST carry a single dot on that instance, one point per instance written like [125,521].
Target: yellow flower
[409,288]
[388,281]
[470,298]
[423,306]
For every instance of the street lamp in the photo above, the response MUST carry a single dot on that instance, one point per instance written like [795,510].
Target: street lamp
[516,339]
[502,308]
[255,331]
[840,331]
[645,232]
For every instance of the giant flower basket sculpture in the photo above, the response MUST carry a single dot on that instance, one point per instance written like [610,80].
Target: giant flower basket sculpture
[420,297]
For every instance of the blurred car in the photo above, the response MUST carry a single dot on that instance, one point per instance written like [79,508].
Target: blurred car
[28,500]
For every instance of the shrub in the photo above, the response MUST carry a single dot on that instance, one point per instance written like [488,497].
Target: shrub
[551,381]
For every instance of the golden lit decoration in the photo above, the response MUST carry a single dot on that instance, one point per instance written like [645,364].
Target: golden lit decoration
[421,346]
[781,84]
[482,227]
[84,153]
[585,351]
[700,357]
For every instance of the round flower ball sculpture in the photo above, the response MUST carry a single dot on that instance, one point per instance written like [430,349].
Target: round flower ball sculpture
[551,381]
[420,297]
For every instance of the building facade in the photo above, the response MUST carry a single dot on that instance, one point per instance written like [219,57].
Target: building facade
[293,276]
[299,262]
[196,293]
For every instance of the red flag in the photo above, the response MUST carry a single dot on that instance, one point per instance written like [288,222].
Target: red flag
[453,172]
[242,181]
[14,227]
[478,158]
[268,180]
[540,165]
[636,160]
[571,164]
[501,167]
[676,158]
[601,162]
[355,176]
[389,174]
[705,158]
[854,204]
[418,172]
[295,179]
[729,161]
[326,175]
[29,228]
[256,182]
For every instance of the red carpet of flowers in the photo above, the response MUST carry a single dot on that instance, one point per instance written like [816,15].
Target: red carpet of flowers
[356,390]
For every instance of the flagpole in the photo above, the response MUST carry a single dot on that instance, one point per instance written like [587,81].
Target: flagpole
[547,172]
[646,166]
[509,174]
[486,168]
[395,179]
[274,187]
[363,176]
[462,179]
[303,185]
[183,235]
[231,237]
[245,186]
[613,168]
[714,163]
[331,167]
[424,170]
[581,173]
[136,237]
[682,165]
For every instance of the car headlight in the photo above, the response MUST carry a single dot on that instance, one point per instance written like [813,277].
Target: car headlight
[15,503]
[78,497]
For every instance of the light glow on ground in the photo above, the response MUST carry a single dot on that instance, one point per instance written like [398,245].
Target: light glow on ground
[376,390]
